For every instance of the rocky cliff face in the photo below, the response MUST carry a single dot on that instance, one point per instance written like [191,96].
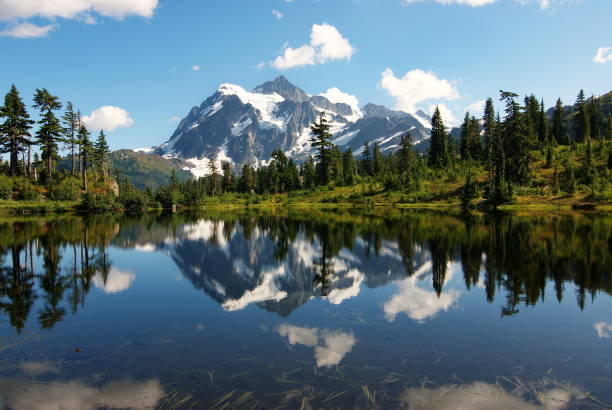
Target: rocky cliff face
[245,127]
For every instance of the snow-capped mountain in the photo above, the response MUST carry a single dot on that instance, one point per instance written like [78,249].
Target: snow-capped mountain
[245,127]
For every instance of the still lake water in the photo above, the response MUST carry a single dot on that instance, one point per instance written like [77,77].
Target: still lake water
[337,309]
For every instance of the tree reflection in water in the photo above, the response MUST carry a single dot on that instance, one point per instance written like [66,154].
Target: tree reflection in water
[55,260]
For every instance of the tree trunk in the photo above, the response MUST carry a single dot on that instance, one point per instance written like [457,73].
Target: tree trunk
[29,164]
[14,159]
[73,159]
[49,166]
[84,174]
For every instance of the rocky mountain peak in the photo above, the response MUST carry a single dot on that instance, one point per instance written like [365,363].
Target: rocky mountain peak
[283,87]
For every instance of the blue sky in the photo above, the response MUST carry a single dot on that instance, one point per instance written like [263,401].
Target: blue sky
[138,56]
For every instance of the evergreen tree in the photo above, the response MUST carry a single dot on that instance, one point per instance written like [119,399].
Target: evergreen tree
[336,173]
[377,161]
[518,138]
[227,182]
[588,169]
[597,122]
[498,187]
[438,151]
[14,131]
[309,173]
[543,126]
[581,119]
[247,179]
[559,129]
[71,127]
[321,140]
[101,153]
[348,167]
[366,160]
[406,159]
[475,142]
[214,177]
[293,176]
[86,149]
[464,144]
[50,131]
[488,121]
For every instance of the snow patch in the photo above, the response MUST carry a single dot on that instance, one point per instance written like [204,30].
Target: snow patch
[265,104]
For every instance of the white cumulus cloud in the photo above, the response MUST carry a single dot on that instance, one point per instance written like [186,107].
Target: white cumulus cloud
[476,108]
[108,118]
[279,15]
[335,95]
[326,44]
[69,9]
[27,30]
[13,11]
[196,67]
[603,55]
[415,87]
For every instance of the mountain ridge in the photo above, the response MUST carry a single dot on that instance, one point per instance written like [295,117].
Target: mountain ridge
[245,127]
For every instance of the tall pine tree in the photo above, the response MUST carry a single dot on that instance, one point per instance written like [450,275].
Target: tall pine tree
[582,125]
[15,130]
[321,140]
[50,131]
[71,128]
[101,152]
[438,151]
[559,129]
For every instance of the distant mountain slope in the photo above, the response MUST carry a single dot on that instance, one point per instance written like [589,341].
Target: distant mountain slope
[245,127]
[146,169]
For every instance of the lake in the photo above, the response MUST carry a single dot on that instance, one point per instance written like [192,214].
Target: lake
[380,308]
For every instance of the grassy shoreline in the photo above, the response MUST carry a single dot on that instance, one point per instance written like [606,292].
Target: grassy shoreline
[284,200]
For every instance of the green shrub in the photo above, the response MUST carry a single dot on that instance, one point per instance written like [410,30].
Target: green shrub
[98,202]
[66,190]
[6,187]
[25,190]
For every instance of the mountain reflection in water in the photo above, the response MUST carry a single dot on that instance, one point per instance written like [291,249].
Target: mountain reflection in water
[376,268]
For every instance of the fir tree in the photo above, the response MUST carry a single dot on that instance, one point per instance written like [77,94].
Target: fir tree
[71,127]
[581,119]
[14,131]
[50,131]
[101,153]
[488,125]
[215,179]
[498,187]
[438,151]
[406,159]
[464,148]
[597,122]
[366,160]
[321,140]
[86,149]
[309,173]
[227,182]
[559,129]
[293,176]
[543,126]
[518,139]
[348,167]
[247,179]
[377,161]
